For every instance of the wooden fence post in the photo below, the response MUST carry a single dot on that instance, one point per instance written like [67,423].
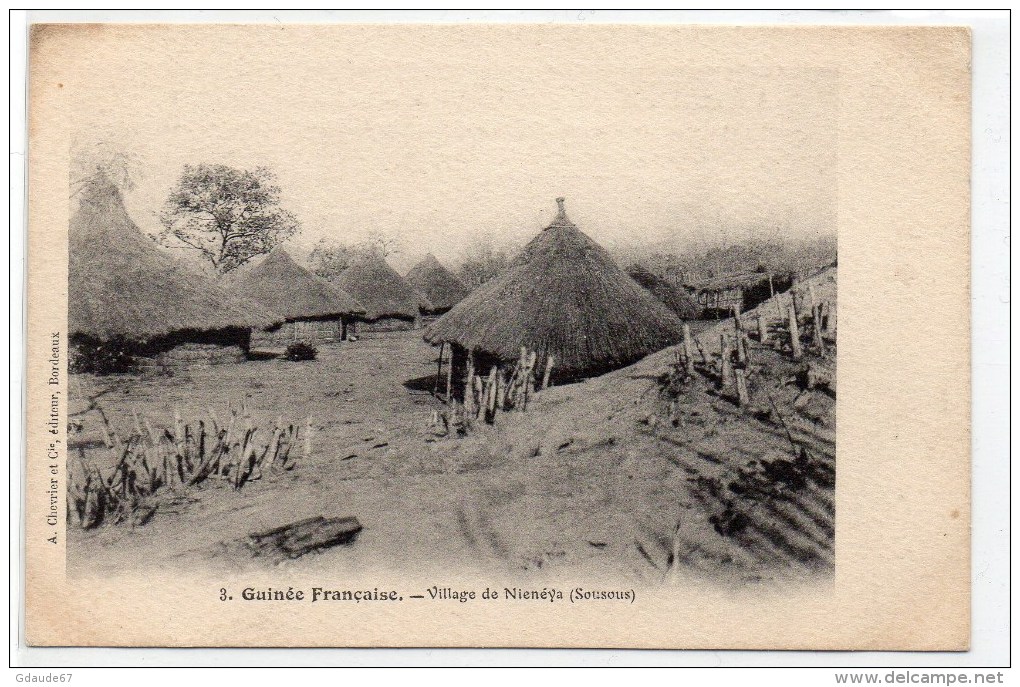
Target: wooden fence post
[688,350]
[449,377]
[478,399]
[550,361]
[490,394]
[738,335]
[763,331]
[725,363]
[816,316]
[439,369]
[742,397]
[469,386]
[794,334]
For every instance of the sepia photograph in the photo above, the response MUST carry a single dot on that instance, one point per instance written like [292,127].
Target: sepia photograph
[498,335]
[382,335]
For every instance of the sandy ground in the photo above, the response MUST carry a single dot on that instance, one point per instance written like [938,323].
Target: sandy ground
[607,479]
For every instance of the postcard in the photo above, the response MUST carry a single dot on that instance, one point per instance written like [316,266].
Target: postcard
[498,335]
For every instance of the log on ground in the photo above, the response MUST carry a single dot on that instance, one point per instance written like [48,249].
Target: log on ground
[305,536]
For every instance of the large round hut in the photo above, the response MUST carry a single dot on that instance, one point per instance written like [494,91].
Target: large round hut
[441,286]
[390,303]
[128,300]
[564,299]
[673,297]
[315,310]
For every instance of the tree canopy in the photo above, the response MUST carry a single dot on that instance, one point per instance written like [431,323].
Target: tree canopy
[227,215]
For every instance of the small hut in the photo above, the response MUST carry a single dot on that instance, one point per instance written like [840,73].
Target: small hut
[390,303]
[126,296]
[564,299]
[720,295]
[441,286]
[673,297]
[314,309]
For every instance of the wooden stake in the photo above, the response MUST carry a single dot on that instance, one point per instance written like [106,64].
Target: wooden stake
[816,316]
[469,386]
[688,350]
[478,400]
[794,333]
[763,331]
[779,309]
[738,335]
[490,394]
[726,365]
[449,377]
[742,397]
[550,361]
[308,437]
[829,320]
[439,369]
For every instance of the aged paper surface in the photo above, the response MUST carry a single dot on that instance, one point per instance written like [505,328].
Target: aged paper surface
[659,494]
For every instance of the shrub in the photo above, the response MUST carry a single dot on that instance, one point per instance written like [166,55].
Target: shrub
[299,350]
[112,356]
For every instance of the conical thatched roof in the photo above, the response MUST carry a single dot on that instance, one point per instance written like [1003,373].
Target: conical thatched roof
[441,286]
[285,287]
[381,291]
[121,284]
[673,297]
[563,295]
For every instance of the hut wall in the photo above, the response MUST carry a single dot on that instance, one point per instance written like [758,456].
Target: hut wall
[388,324]
[194,355]
[201,349]
[180,350]
[309,331]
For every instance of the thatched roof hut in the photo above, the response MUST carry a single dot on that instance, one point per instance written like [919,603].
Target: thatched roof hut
[382,292]
[673,297]
[120,285]
[441,286]
[562,296]
[286,288]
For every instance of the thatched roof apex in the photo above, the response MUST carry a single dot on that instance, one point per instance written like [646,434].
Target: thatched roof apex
[563,295]
[121,284]
[285,287]
[381,291]
[441,286]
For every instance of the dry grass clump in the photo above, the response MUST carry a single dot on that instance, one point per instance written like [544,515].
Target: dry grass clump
[149,463]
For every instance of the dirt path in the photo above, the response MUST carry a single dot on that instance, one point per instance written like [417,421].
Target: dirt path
[372,457]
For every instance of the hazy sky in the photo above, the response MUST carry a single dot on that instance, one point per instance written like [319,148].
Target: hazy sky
[441,135]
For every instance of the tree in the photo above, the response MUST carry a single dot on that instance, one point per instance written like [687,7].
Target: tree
[328,260]
[380,244]
[227,215]
[481,262]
